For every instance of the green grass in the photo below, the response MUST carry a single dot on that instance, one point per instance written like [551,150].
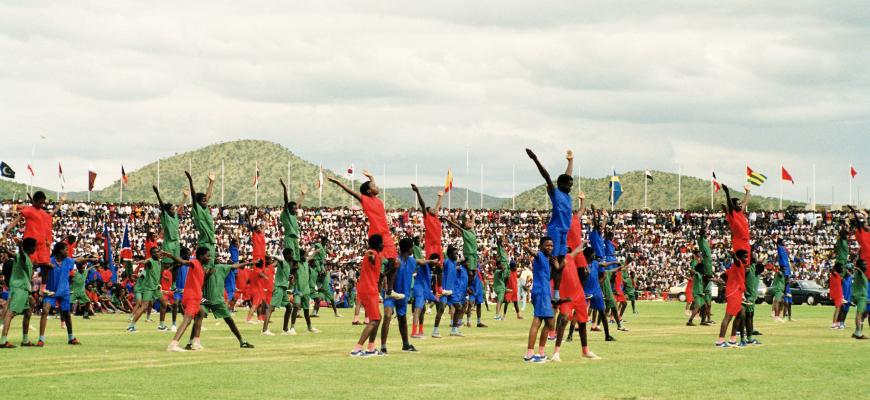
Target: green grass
[659,358]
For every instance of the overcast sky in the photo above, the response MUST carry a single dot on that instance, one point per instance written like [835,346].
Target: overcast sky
[652,85]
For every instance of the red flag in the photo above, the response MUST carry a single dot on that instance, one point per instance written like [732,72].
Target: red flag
[716,184]
[852,171]
[29,168]
[123,175]
[257,175]
[786,176]
[92,177]
[749,171]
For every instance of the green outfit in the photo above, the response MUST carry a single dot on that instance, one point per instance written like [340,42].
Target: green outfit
[171,244]
[77,289]
[19,284]
[150,290]
[282,283]
[707,261]
[609,301]
[859,291]
[469,248]
[778,286]
[204,225]
[698,289]
[418,253]
[291,233]
[214,290]
[630,293]
[751,293]
[841,249]
[303,288]
[498,286]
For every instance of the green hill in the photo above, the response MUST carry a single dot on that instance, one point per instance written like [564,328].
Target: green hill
[239,168]
[661,194]
[407,198]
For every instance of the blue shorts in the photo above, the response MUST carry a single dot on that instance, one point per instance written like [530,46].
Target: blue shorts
[458,297]
[597,302]
[401,306]
[477,297]
[231,292]
[846,305]
[543,305]
[62,301]
[560,241]
[4,295]
[177,296]
[420,298]
[787,299]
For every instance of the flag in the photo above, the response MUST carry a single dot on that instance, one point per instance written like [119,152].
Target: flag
[716,184]
[648,175]
[320,179]
[448,185]
[60,175]
[6,171]
[786,176]
[123,175]
[350,172]
[615,188]
[92,177]
[107,253]
[257,175]
[126,251]
[30,168]
[853,171]
[754,178]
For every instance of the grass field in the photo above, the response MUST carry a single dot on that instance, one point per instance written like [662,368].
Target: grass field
[658,358]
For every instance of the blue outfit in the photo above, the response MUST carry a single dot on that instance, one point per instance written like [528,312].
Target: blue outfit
[597,243]
[847,293]
[477,289]
[58,282]
[783,260]
[592,288]
[230,280]
[541,297]
[180,281]
[422,286]
[610,253]
[404,276]
[560,221]
[460,286]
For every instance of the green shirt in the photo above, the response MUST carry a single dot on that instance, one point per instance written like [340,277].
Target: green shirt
[778,284]
[498,278]
[169,223]
[78,283]
[22,272]
[751,293]
[418,253]
[303,273]
[502,257]
[320,255]
[291,227]
[608,290]
[282,274]
[859,285]
[313,273]
[697,284]
[842,251]
[706,255]
[629,285]
[153,270]
[214,284]
[469,247]
[203,223]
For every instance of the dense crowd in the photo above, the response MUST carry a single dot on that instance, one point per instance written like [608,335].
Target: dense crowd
[657,245]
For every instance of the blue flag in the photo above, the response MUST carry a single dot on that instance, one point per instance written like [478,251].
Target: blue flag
[107,255]
[615,188]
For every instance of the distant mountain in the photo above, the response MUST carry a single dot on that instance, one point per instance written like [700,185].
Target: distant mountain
[661,193]
[407,198]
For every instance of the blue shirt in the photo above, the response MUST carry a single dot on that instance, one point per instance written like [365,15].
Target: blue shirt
[423,280]
[610,253]
[541,274]
[58,277]
[461,282]
[590,284]
[597,243]
[448,279]
[180,278]
[561,215]
[230,280]
[783,260]
[847,287]
[234,254]
[404,275]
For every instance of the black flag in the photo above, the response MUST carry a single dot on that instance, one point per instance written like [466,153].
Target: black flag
[6,171]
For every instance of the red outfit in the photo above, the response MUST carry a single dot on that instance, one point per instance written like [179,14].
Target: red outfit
[37,225]
[166,285]
[734,288]
[570,288]
[432,238]
[373,207]
[149,244]
[836,286]
[258,244]
[690,297]
[739,231]
[511,294]
[575,233]
[367,286]
[193,289]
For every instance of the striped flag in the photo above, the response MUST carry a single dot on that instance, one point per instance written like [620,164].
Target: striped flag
[648,175]
[126,251]
[754,178]
[716,184]
[615,188]
[350,172]
[257,175]
[448,185]
[123,175]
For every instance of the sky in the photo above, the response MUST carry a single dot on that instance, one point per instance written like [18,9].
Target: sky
[693,86]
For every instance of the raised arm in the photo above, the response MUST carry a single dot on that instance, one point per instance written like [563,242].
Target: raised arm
[344,187]
[728,205]
[746,197]
[180,207]
[419,197]
[542,170]
[192,189]
[15,221]
[452,223]
[570,157]
[301,197]
[286,197]
[438,203]
[582,208]
[159,199]
[210,189]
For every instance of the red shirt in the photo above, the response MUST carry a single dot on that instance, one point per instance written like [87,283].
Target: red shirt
[166,280]
[432,239]
[193,285]
[149,244]
[836,286]
[71,248]
[373,207]
[369,274]
[736,285]
[570,287]
[37,225]
[739,230]
[575,233]
[618,284]
[258,242]
[863,239]
[106,275]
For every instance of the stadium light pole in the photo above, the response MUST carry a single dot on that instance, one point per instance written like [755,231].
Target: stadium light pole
[481,186]
[222,183]
[158,174]
[514,187]
[780,185]
[467,173]
[814,192]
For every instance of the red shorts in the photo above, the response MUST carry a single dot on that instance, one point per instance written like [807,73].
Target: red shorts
[191,306]
[838,301]
[169,296]
[620,297]
[575,310]
[389,250]
[42,254]
[437,250]
[690,298]
[733,306]
[372,306]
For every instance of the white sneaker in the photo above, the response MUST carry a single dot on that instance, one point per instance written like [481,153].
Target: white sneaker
[285,333]
[592,356]
[396,295]
[174,328]
[292,331]
[267,333]
[174,348]
[197,346]
[337,315]
[314,330]
[446,292]
[556,358]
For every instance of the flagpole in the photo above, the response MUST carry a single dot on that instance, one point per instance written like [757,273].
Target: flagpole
[679,187]
[481,186]
[121,190]
[158,173]
[59,184]
[222,183]
[814,192]
[850,183]
[781,167]
[467,173]
[645,178]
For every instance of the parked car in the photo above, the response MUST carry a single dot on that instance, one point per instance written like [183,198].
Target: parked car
[678,292]
[805,292]
[719,295]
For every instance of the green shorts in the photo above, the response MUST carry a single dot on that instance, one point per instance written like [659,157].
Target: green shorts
[218,309]
[292,243]
[699,302]
[610,303]
[749,308]
[279,297]
[499,295]
[173,248]
[137,295]
[151,295]
[777,297]
[302,300]
[631,295]
[860,303]
[471,263]
[19,300]
[79,297]
[324,294]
